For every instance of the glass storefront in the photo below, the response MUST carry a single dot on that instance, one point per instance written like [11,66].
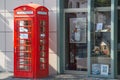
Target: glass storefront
[75,35]
[100,54]
[76,41]
[91,37]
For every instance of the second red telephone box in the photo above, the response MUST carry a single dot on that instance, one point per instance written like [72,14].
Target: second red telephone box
[31,42]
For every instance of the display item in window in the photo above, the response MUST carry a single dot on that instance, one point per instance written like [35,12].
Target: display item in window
[75,34]
[96,50]
[105,47]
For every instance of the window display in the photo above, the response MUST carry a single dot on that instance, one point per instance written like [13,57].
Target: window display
[101,46]
[77,30]
[76,41]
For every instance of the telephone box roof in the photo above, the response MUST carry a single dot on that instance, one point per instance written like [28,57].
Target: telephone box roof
[32,5]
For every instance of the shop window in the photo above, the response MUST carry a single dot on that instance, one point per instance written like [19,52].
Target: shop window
[101,44]
[102,3]
[76,41]
[75,3]
[118,2]
[70,5]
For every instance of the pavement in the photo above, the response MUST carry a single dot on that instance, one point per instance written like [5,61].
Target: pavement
[9,76]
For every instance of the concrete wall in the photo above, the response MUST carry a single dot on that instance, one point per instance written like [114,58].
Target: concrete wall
[6,33]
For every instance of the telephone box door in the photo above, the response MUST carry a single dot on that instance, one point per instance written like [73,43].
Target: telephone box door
[44,44]
[23,47]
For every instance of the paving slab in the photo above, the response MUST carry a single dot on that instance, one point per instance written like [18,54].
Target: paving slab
[9,76]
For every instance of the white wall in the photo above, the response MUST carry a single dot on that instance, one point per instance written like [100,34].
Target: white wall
[6,32]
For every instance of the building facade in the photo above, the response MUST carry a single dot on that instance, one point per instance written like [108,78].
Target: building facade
[88,37]
[84,36]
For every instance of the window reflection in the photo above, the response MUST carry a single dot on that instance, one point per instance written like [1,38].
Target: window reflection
[75,3]
[102,3]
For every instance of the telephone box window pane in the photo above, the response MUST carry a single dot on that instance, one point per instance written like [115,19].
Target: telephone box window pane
[24,63]
[24,23]
[42,35]
[42,26]
[21,61]
[42,29]
[23,36]
[22,47]
[22,41]
[21,23]
[42,41]
[42,23]
[27,55]
[24,55]
[27,62]
[21,54]
[42,66]
[42,54]
[22,67]
[42,60]
[24,29]
[27,42]
[42,47]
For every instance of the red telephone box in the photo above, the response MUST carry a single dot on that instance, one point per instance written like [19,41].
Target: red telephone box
[31,41]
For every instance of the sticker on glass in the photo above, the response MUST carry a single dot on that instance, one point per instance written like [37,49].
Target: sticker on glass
[22,29]
[23,36]
[42,35]
[21,23]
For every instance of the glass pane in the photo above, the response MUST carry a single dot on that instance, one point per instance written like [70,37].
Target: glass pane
[42,48]
[25,68]
[118,2]
[24,45]
[42,41]
[24,61]
[23,23]
[75,41]
[102,3]
[24,55]
[42,35]
[42,29]
[118,44]
[100,44]
[43,54]
[42,23]
[24,29]
[23,42]
[42,60]
[42,66]
[75,3]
